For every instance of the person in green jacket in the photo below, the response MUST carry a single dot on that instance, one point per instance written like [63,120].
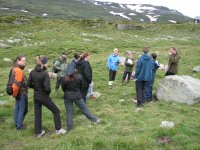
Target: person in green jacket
[61,66]
[173,62]
[129,63]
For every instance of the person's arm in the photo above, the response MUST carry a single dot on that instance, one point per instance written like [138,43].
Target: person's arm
[109,59]
[87,72]
[46,83]
[138,68]
[174,59]
[30,81]
[57,65]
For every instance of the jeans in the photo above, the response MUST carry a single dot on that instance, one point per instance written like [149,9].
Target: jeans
[82,106]
[140,90]
[112,75]
[21,109]
[47,102]
[148,91]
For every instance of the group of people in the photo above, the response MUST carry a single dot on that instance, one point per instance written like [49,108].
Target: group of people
[145,71]
[75,79]
[75,83]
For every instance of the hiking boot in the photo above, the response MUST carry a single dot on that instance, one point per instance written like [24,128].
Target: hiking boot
[61,131]
[41,134]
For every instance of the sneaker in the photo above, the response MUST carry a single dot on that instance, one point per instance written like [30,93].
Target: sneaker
[92,97]
[41,134]
[61,131]
[98,121]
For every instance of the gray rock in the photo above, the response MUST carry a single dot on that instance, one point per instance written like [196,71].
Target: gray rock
[182,89]
[196,69]
[128,27]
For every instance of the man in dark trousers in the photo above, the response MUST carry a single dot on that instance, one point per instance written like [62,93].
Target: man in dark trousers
[143,74]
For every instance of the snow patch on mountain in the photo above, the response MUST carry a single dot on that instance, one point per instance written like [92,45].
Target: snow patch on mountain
[172,21]
[120,14]
[4,8]
[24,11]
[153,18]
[140,8]
[131,14]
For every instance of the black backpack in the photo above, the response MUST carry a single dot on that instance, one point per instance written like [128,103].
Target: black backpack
[11,78]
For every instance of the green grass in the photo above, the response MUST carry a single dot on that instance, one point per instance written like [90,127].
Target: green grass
[122,127]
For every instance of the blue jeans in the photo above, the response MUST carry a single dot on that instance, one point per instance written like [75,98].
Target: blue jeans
[82,106]
[21,109]
[148,91]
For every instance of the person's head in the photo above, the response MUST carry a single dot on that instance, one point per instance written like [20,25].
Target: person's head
[173,51]
[85,56]
[115,51]
[20,60]
[154,56]
[42,61]
[71,72]
[63,55]
[130,55]
[146,49]
[76,56]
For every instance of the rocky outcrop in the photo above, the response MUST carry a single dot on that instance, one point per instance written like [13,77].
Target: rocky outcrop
[196,69]
[182,89]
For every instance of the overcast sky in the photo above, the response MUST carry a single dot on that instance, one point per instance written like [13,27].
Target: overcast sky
[189,8]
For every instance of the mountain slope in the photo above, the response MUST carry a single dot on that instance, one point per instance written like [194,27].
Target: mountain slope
[89,9]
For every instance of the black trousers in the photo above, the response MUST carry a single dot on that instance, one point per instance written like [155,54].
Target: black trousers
[48,103]
[58,82]
[140,91]
[168,73]
[125,75]
[112,75]
[84,92]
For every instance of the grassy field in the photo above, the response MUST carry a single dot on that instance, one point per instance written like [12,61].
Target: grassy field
[123,128]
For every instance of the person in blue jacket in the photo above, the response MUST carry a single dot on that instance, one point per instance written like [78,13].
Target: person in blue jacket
[113,62]
[149,84]
[143,74]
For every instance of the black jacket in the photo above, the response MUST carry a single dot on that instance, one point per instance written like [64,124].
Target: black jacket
[72,89]
[85,70]
[39,80]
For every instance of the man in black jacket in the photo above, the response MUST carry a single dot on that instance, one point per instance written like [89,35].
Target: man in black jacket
[85,70]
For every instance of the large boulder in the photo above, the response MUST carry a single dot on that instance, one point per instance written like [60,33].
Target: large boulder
[196,69]
[182,89]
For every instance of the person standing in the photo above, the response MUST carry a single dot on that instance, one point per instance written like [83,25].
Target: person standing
[85,70]
[149,84]
[173,62]
[39,80]
[143,74]
[129,63]
[72,86]
[76,58]
[19,87]
[60,65]
[113,62]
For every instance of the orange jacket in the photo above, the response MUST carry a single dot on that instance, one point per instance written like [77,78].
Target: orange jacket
[18,78]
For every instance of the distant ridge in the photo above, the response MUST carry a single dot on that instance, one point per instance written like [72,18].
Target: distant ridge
[90,9]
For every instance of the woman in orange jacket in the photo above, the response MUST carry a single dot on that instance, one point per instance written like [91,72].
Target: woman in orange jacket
[19,87]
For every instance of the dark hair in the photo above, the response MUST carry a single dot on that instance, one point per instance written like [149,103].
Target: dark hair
[84,55]
[64,53]
[18,58]
[41,61]
[71,77]
[146,49]
[154,55]
[76,56]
